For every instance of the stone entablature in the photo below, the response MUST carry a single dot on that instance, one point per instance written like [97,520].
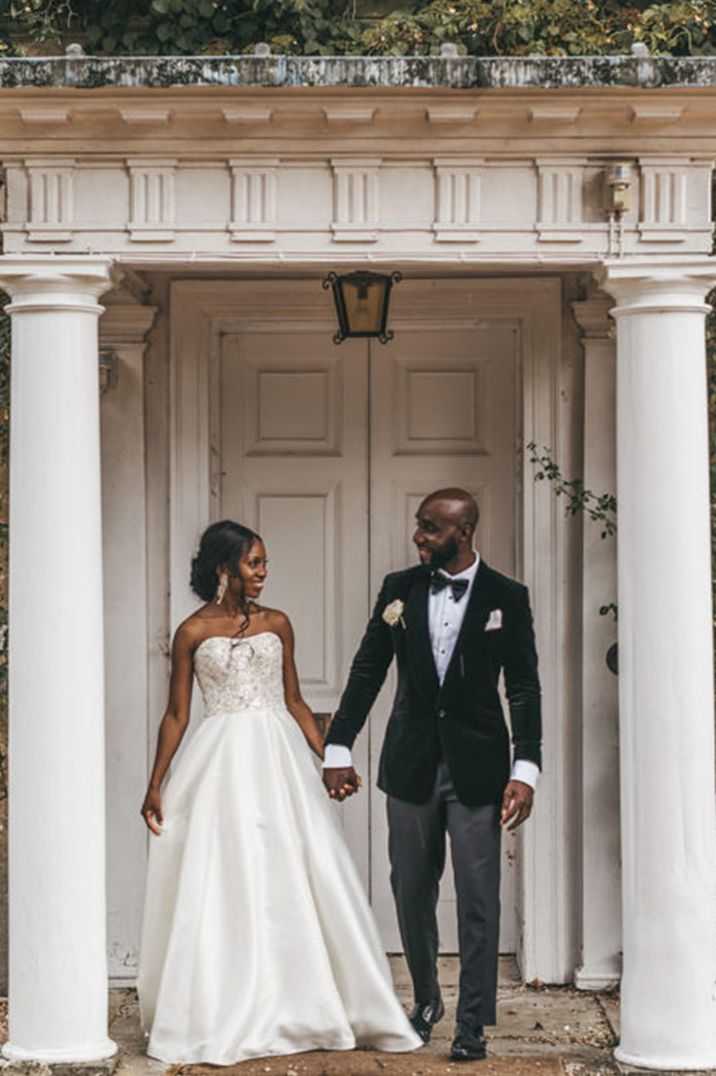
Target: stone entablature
[297,203]
[181,155]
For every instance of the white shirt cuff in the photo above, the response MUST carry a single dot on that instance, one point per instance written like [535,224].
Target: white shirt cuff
[525,771]
[337,756]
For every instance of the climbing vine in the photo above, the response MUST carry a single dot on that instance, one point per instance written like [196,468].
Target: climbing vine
[359,27]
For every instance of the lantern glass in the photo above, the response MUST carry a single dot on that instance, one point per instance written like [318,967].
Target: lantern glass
[364,300]
[361,300]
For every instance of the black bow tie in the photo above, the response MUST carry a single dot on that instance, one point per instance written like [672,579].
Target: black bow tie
[458,586]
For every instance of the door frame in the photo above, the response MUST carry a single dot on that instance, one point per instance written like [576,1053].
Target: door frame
[201,310]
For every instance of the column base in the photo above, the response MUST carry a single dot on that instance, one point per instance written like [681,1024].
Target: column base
[99,1050]
[586,978]
[692,1063]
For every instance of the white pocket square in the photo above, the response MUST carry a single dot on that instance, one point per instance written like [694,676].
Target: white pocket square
[494,621]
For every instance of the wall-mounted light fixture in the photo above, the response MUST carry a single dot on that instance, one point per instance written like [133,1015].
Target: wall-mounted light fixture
[108,369]
[618,187]
[362,300]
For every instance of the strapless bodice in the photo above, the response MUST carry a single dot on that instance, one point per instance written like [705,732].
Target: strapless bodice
[240,674]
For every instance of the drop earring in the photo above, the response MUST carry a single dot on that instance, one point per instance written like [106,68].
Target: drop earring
[221,588]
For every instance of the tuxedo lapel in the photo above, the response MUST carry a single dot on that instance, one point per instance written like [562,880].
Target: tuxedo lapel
[417,636]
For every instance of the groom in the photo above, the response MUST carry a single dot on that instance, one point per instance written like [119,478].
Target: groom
[453,625]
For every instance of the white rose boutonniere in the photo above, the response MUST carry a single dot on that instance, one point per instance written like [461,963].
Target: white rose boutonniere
[393,613]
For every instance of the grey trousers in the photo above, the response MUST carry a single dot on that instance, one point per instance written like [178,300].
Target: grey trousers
[416,847]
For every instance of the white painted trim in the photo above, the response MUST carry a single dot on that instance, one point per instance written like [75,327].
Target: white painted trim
[594,980]
[200,309]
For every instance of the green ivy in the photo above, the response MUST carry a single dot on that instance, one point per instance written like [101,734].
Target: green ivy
[325,27]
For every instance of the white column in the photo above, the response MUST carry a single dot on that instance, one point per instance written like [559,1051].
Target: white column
[668,1018]
[601,908]
[58,968]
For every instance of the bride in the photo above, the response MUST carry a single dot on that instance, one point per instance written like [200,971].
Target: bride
[257,937]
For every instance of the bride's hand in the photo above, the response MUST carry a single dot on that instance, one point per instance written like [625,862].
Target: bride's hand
[152,810]
[341,781]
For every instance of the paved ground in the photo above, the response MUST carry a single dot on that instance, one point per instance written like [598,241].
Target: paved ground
[552,1031]
[540,1032]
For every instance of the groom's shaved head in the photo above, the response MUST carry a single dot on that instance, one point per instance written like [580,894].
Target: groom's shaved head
[459,505]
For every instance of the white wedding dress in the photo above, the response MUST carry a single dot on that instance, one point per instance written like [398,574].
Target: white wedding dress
[257,937]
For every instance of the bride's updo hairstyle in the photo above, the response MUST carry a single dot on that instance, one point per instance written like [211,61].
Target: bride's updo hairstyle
[221,543]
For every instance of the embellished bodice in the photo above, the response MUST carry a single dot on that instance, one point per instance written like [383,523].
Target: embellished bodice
[240,674]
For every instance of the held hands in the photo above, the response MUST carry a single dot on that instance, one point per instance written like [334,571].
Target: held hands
[341,781]
[516,804]
[152,811]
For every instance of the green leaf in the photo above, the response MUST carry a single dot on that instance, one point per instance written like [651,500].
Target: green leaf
[206,8]
[160,6]
[164,31]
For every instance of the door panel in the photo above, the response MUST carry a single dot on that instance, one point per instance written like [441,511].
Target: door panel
[292,410]
[443,413]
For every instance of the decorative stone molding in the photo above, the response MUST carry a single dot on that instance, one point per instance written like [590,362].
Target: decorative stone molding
[247,114]
[457,200]
[143,117]
[349,114]
[664,210]
[355,199]
[304,183]
[453,113]
[151,200]
[560,199]
[51,200]
[124,324]
[592,316]
[656,112]
[45,117]
[554,113]
[253,200]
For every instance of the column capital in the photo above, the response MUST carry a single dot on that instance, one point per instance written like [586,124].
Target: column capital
[647,285]
[592,316]
[55,283]
[126,323]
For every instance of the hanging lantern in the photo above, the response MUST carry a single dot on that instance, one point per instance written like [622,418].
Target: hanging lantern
[362,300]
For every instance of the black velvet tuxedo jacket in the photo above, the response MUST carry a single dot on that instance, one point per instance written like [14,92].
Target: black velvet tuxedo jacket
[462,719]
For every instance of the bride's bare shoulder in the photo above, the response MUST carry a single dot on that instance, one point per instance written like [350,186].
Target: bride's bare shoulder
[193,628]
[275,620]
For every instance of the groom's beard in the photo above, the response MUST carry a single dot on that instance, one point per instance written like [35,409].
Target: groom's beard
[440,557]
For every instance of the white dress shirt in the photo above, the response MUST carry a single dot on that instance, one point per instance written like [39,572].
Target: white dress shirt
[445,617]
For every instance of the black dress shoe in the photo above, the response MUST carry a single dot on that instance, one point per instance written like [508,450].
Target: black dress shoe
[469,1046]
[424,1017]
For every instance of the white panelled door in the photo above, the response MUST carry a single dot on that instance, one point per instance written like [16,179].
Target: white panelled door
[443,413]
[327,452]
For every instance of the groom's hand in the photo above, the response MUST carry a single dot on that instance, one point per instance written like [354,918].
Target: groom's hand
[341,781]
[516,804]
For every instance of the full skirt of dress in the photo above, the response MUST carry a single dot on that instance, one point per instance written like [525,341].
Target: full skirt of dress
[257,937]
